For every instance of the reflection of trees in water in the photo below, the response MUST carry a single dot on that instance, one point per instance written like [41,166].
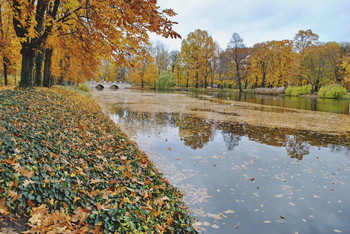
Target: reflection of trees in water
[231,140]
[194,132]
[296,147]
[148,122]
[296,142]
[340,149]
[197,132]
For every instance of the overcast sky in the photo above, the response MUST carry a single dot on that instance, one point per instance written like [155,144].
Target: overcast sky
[259,20]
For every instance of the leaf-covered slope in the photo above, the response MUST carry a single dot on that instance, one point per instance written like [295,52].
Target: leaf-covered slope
[68,167]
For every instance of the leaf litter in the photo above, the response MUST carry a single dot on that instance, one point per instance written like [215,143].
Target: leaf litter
[67,167]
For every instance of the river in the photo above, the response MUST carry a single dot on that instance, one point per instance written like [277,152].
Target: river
[339,106]
[238,176]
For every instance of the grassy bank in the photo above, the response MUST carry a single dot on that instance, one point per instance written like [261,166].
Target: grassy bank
[66,167]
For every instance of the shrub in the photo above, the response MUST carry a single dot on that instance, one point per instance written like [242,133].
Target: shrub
[298,90]
[83,88]
[332,91]
[165,80]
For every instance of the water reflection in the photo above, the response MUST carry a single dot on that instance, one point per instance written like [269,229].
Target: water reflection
[241,178]
[306,103]
[196,132]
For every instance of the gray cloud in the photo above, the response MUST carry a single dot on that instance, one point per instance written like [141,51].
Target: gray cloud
[260,20]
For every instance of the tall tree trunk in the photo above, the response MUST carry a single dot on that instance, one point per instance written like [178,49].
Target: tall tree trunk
[239,83]
[28,54]
[47,82]
[5,60]
[39,61]
[263,80]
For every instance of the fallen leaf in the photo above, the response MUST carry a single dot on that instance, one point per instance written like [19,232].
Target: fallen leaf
[205,223]
[3,206]
[229,212]
[35,219]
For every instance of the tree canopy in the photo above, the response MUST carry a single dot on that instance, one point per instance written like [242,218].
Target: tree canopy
[81,34]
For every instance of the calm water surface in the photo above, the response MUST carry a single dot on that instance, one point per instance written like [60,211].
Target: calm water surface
[239,178]
[339,106]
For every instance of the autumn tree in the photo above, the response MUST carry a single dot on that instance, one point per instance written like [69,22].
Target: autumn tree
[144,70]
[181,71]
[238,53]
[151,74]
[336,54]
[118,28]
[281,57]
[346,68]
[259,64]
[197,52]
[314,66]
[222,66]
[9,46]
[304,39]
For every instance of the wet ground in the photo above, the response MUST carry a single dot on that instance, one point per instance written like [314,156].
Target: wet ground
[244,168]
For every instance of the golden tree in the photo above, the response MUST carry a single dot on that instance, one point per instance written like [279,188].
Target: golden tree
[119,28]
[197,52]
[336,53]
[9,46]
[151,74]
[314,66]
[281,56]
[259,63]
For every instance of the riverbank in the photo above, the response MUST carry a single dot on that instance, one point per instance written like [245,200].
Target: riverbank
[66,167]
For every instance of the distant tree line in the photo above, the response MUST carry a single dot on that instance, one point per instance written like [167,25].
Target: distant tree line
[202,63]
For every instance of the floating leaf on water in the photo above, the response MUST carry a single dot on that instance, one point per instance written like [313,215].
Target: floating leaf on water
[229,212]
[197,223]
[205,223]
[267,221]
[337,231]
[215,226]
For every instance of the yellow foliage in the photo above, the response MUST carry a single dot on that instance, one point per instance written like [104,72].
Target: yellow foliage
[197,52]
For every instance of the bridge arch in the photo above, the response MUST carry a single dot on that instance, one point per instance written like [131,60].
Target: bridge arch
[99,86]
[114,87]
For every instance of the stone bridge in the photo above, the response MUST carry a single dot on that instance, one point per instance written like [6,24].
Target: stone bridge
[104,84]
